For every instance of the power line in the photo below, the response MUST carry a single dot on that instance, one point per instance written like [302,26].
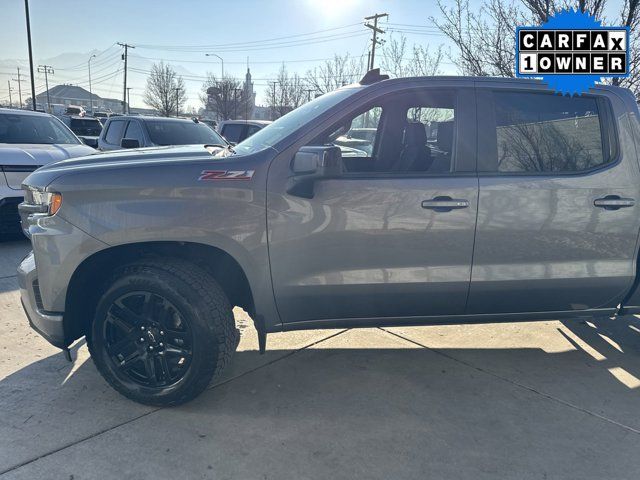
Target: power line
[237,44]
[262,46]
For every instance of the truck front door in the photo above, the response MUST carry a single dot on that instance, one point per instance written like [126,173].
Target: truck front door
[393,236]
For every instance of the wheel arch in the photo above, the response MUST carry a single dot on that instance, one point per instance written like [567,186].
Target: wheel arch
[87,282]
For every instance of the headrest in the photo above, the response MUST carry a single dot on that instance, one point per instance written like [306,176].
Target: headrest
[445,136]
[414,134]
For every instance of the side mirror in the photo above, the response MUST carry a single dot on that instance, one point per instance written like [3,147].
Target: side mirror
[310,164]
[130,143]
[90,142]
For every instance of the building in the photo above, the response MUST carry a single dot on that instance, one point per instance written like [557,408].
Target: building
[245,103]
[249,94]
[74,95]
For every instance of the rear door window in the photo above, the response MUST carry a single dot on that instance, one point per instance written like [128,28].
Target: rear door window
[544,133]
[233,132]
[114,132]
[251,129]
[134,131]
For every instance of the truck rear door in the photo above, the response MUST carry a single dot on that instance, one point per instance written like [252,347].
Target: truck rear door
[558,214]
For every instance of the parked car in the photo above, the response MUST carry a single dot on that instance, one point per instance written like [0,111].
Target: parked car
[87,129]
[483,200]
[133,131]
[29,140]
[75,110]
[101,116]
[235,131]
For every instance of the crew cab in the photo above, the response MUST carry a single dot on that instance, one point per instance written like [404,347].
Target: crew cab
[480,200]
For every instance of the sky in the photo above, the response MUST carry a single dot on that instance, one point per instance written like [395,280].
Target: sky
[300,33]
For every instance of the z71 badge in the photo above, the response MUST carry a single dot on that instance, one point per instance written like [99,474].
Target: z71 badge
[226,175]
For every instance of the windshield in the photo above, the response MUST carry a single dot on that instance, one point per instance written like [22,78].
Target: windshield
[273,133]
[39,129]
[86,126]
[166,132]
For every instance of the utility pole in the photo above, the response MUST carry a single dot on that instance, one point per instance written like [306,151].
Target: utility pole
[33,82]
[10,101]
[129,100]
[19,80]
[235,102]
[47,70]
[274,100]
[126,47]
[177,104]
[309,92]
[375,31]
[90,92]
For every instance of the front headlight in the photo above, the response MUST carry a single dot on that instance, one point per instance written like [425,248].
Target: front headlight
[39,201]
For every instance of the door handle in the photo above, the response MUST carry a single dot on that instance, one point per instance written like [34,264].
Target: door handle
[614,202]
[444,204]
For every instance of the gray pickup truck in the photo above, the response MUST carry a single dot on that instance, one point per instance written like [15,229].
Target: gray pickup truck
[481,200]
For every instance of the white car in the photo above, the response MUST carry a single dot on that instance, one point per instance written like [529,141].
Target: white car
[29,140]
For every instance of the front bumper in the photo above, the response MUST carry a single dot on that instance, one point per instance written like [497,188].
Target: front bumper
[48,324]
[9,217]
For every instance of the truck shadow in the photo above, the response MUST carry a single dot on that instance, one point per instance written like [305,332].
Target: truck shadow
[598,371]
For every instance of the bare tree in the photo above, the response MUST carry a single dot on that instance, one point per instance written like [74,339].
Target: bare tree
[225,97]
[484,37]
[286,93]
[399,61]
[165,90]
[334,73]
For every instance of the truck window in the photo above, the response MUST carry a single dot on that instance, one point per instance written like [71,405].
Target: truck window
[405,132]
[233,132]
[134,131]
[251,129]
[438,123]
[537,132]
[114,132]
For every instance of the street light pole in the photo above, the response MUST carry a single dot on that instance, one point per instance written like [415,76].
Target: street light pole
[90,92]
[33,81]
[221,61]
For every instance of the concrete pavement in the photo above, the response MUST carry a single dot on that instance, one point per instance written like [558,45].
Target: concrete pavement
[530,400]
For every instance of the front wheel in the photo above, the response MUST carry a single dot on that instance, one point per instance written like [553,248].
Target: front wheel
[162,329]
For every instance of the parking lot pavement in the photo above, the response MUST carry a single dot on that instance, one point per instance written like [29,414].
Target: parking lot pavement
[530,400]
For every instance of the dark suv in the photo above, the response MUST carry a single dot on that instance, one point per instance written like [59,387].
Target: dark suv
[88,129]
[130,131]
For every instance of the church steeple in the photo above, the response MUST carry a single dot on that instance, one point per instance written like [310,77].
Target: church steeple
[249,94]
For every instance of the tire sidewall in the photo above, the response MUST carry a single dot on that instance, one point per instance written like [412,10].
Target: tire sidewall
[204,344]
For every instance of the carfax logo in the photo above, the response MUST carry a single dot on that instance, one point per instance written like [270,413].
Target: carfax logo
[572,51]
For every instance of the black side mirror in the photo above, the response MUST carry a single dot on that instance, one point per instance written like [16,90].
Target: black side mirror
[313,163]
[90,142]
[130,143]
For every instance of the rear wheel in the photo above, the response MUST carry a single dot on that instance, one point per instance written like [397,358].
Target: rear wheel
[162,330]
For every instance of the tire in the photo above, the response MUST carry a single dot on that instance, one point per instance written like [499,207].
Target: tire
[161,331]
